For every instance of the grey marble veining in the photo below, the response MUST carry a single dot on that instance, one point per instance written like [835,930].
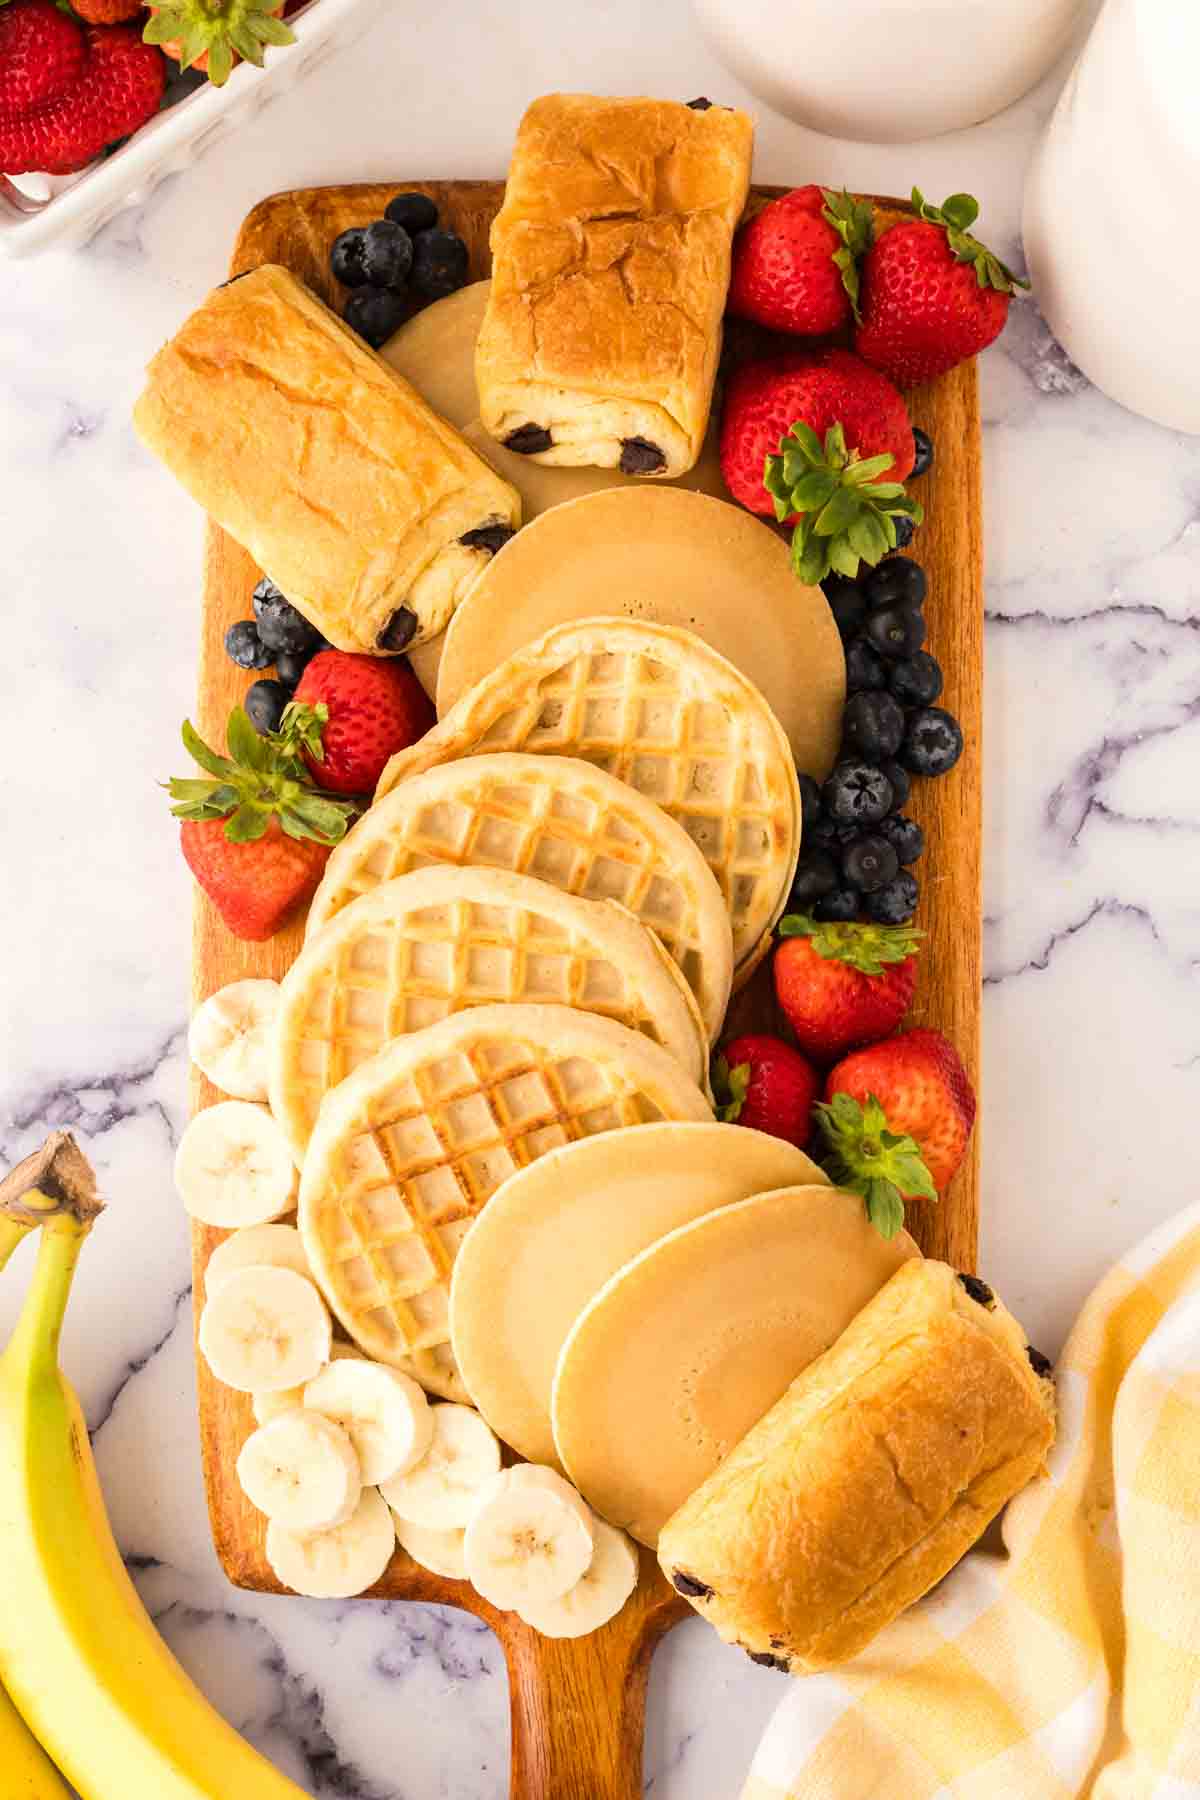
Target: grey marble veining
[1092,864]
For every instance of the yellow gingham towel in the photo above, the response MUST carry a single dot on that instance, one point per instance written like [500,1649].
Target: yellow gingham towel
[1067,1668]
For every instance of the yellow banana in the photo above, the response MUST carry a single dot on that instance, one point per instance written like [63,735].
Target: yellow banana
[78,1653]
[28,1772]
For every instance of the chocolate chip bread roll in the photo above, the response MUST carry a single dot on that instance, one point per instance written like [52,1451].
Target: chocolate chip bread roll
[610,265]
[366,509]
[866,1482]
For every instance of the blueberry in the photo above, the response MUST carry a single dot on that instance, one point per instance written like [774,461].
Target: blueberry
[923,446]
[869,862]
[387,255]
[916,680]
[896,903]
[905,530]
[264,703]
[900,780]
[416,212]
[864,667]
[346,257]
[823,835]
[857,793]
[244,646]
[933,741]
[842,904]
[895,631]
[904,835]
[816,875]
[846,603]
[280,626]
[290,666]
[810,804]
[898,581]
[375,313]
[872,726]
[439,264]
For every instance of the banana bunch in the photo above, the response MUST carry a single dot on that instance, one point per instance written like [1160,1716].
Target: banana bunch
[91,1679]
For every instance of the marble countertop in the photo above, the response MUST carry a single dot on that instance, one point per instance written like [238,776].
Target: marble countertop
[1092,867]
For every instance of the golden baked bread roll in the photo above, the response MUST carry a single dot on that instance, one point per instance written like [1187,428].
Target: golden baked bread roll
[365,508]
[610,265]
[881,1464]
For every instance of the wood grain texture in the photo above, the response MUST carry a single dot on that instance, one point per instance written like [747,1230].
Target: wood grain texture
[578,1706]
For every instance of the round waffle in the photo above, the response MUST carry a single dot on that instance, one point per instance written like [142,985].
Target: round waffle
[658,708]
[563,821]
[409,1148]
[447,937]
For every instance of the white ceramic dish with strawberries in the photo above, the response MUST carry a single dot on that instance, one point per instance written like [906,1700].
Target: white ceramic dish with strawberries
[49,213]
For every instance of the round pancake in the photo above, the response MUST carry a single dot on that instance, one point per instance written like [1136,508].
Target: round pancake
[556,1232]
[663,557]
[435,351]
[688,1345]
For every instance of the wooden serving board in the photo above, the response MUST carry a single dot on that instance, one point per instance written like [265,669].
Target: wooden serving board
[578,1706]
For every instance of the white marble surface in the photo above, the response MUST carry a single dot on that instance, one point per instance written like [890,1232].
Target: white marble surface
[1092,866]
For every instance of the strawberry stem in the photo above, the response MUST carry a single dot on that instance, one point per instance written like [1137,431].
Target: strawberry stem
[867,1157]
[854,222]
[847,515]
[730,1087]
[867,948]
[262,778]
[956,216]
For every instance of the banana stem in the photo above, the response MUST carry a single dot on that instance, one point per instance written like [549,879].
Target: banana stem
[55,1180]
[34,1341]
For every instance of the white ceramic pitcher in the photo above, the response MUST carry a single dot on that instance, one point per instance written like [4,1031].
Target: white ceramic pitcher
[890,71]
[1112,201]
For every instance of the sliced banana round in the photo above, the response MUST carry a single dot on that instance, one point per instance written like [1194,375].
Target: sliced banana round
[441,1552]
[264,1330]
[301,1469]
[227,1038]
[268,1406]
[529,1539]
[234,1166]
[338,1563]
[441,1492]
[385,1413]
[597,1596]
[257,1246]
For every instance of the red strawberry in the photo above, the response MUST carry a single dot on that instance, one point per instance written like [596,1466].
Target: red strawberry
[762,1082]
[843,985]
[116,88]
[256,836]
[825,428]
[106,12]
[351,714]
[42,53]
[794,265]
[897,1120]
[932,295]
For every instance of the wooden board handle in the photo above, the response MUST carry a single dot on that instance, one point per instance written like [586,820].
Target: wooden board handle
[579,1704]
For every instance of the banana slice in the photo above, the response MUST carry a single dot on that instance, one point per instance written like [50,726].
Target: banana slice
[234,1166]
[302,1470]
[264,1330]
[280,1246]
[341,1562]
[441,1552]
[385,1413]
[597,1596]
[227,1038]
[269,1406]
[442,1490]
[529,1539]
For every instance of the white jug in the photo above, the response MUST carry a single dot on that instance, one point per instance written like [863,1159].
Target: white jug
[890,71]
[1112,204]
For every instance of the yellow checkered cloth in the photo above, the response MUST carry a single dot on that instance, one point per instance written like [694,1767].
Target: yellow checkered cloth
[1068,1667]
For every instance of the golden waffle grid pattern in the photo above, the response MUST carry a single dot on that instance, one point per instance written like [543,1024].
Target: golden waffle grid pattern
[382,982]
[629,713]
[584,842]
[403,1191]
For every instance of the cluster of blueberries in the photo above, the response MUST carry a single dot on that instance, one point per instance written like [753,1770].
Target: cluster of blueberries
[276,634]
[858,845]
[404,253]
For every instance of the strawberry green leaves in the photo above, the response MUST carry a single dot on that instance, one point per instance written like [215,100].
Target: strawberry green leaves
[301,728]
[730,1087]
[219,30]
[867,948]
[956,216]
[854,223]
[884,1166]
[847,515]
[259,780]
